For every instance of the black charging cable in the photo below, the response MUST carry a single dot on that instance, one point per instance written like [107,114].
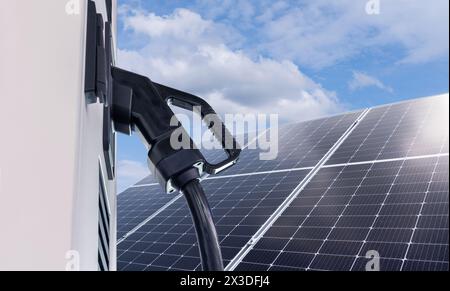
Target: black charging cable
[208,243]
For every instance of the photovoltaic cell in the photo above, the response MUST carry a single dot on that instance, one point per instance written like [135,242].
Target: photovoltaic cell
[299,145]
[396,210]
[135,204]
[415,128]
[240,206]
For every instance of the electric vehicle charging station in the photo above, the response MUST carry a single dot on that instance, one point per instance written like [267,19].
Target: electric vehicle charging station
[63,100]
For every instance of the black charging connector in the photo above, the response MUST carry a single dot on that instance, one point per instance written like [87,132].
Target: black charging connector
[142,105]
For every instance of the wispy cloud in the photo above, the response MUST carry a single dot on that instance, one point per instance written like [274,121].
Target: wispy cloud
[362,80]
[129,173]
[321,33]
[191,53]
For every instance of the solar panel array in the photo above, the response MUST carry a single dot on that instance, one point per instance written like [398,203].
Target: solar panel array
[240,206]
[383,194]
[398,209]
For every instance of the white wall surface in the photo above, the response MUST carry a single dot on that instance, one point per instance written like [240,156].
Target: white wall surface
[50,140]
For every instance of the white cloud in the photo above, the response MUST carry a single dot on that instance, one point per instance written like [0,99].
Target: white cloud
[129,173]
[193,54]
[362,80]
[182,24]
[321,33]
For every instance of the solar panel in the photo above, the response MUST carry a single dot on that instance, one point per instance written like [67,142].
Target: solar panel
[240,206]
[300,145]
[398,209]
[414,128]
[136,204]
[370,183]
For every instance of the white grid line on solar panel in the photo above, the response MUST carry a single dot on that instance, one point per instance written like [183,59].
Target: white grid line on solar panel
[237,215]
[309,168]
[389,265]
[401,121]
[300,145]
[403,223]
[411,240]
[137,204]
[386,160]
[315,242]
[362,127]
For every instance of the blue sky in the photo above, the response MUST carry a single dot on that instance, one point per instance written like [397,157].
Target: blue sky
[300,59]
